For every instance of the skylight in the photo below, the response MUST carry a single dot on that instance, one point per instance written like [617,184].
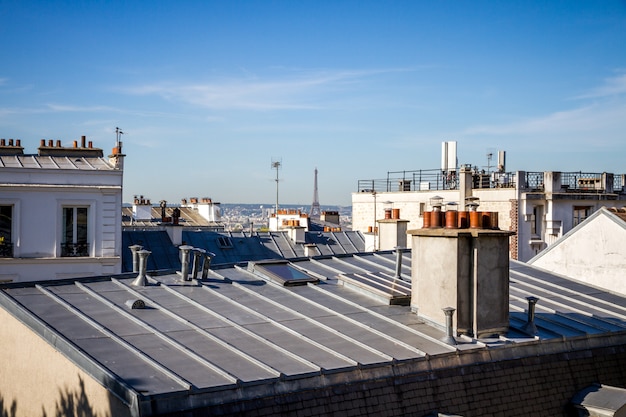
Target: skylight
[282,272]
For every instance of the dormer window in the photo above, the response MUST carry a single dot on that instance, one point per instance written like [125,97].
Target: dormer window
[75,232]
[224,242]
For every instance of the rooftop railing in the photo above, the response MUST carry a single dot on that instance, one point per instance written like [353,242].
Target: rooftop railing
[435,179]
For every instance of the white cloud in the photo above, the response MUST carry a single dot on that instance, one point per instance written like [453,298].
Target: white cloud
[612,86]
[303,90]
[72,108]
[604,111]
[594,118]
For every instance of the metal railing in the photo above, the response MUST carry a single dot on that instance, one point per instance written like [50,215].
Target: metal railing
[534,181]
[434,179]
[420,180]
[582,181]
[74,249]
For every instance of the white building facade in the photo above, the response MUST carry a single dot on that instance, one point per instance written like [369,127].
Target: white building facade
[60,211]
[539,207]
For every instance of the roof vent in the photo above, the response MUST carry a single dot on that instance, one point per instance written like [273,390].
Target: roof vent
[142,280]
[135,304]
[134,249]
[530,326]
[449,339]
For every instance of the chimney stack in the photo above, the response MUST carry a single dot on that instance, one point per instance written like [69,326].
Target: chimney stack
[466,269]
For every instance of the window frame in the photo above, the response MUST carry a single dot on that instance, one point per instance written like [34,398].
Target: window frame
[577,219]
[15,225]
[89,224]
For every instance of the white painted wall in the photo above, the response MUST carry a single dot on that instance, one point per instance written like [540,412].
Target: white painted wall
[593,253]
[555,219]
[38,196]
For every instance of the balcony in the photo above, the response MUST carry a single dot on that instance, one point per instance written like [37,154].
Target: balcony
[74,249]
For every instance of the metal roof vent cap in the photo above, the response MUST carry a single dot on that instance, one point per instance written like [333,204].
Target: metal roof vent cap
[134,249]
[399,250]
[449,339]
[135,304]
[184,261]
[142,280]
[530,326]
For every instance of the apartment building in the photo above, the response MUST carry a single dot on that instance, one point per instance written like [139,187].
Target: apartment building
[540,207]
[59,210]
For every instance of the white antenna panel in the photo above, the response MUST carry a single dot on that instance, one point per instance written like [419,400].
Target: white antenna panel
[502,161]
[448,156]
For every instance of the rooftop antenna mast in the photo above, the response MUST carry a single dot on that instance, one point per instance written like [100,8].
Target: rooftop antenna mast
[315,212]
[276,165]
[118,134]
[489,157]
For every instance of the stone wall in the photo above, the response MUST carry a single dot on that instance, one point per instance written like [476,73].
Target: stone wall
[518,381]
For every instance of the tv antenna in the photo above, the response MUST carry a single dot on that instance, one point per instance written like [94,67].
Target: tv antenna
[276,164]
[489,158]
[118,134]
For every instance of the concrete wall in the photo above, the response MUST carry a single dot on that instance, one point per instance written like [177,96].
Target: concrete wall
[593,253]
[466,269]
[509,381]
[38,380]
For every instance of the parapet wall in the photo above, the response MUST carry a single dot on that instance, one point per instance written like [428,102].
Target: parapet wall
[537,379]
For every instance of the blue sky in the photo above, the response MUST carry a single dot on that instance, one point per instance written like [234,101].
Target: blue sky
[209,93]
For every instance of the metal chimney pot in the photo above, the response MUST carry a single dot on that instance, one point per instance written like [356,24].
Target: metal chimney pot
[141,280]
[449,339]
[399,251]
[198,255]
[531,327]
[206,265]
[134,249]
[184,261]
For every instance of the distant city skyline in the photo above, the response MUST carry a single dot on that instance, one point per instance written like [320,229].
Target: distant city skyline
[209,93]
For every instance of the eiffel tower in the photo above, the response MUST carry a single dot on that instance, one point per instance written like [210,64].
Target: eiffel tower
[315,212]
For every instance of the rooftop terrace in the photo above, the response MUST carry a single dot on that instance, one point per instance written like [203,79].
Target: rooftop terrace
[436,179]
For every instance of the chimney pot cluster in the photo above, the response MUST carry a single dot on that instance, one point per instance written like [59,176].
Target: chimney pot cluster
[451,218]
[3,142]
[142,201]
[201,259]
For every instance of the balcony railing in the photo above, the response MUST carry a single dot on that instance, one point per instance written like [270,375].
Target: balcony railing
[74,249]
[534,181]
[434,179]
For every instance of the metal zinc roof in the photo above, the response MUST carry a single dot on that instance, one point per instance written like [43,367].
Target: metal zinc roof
[236,247]
[55,162]
[236,329]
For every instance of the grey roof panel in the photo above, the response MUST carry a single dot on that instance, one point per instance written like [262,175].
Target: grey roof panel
[237,329]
